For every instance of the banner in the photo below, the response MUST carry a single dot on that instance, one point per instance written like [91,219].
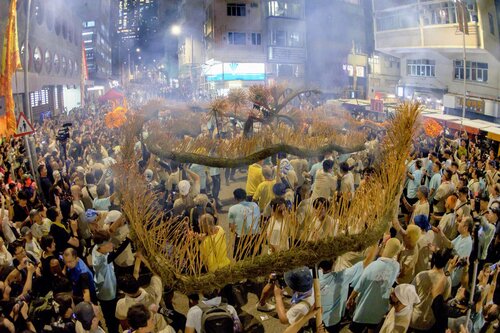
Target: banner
[11,62]
[83,76]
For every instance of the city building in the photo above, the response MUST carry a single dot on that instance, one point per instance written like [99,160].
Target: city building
[333,51]
[191,45]
[95,16]
[136,34]
[169,16]
[54,56]
[242,43]
[427,39]
[383,76]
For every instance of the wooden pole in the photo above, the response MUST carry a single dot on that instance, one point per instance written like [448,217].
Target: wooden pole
[317,298]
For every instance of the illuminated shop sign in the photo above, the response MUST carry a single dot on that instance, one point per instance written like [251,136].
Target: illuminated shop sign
[236,71]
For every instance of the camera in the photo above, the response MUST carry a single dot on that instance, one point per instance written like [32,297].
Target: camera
[462,262]
[63,133]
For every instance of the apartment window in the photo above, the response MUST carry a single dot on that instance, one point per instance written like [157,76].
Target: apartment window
[492,23]
[236,9]
[397,19]
[237,38]
[89,24]
[256,38]
[295,39]
[278,38]
[420,67]
[285,8]
[475,71]
[287,70]
[39,97]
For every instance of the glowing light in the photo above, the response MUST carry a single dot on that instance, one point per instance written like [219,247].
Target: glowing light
[176,30]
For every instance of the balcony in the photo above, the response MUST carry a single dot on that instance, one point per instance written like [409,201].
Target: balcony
[290,55]
[439,37]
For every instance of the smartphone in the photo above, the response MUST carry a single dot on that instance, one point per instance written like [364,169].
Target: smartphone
[493,267]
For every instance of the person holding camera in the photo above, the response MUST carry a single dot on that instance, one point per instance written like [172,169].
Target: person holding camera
[461,246]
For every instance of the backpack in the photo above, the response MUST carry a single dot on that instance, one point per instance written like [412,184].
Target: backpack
[42,310]
[216,319]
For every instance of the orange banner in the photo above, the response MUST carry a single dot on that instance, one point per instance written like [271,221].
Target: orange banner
[11,62]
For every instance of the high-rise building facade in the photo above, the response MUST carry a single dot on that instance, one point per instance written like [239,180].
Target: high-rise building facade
[426,37]
[96,25]
[244,42]
[54,56]
[135,36]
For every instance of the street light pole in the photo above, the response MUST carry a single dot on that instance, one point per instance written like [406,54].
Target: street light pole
[465,68]
[192,67]
[28,142]
[463,11]
[26,62]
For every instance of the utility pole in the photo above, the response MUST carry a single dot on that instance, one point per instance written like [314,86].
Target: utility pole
[463,26]
[28,142]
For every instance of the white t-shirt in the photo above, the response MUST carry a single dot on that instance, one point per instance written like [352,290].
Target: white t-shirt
[39,230]
[299,310]
[397,322]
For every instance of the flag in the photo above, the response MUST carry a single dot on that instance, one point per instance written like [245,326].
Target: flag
[83,77]
[85,71]
[11,62]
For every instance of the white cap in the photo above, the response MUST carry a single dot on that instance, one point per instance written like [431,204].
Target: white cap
[184,187]
[112,217]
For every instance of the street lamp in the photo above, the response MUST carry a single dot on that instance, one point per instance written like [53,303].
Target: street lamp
[462,17]
[138,50]
[176,30]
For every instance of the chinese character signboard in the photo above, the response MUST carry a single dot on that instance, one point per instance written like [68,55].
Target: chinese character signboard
[377,105]
[471,105]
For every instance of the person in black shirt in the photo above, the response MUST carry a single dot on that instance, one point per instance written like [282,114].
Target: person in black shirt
[21,209]
[45,183]
[64,236]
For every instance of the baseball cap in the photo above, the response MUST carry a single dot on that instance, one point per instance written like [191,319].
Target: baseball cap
[25,230]
[84,313]
[184,187]
[279,189]
[91,215]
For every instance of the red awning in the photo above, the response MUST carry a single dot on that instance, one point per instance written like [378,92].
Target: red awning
[457,127]
[111,95]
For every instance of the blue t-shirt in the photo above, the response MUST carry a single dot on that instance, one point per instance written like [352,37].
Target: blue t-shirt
[200,171]
[413,185]
[104,278]
[434,184]
[463,248]
[374,288]
[246,216]
[75,276]
[334,288]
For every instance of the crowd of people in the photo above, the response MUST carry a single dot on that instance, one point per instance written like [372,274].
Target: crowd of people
[67,263]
